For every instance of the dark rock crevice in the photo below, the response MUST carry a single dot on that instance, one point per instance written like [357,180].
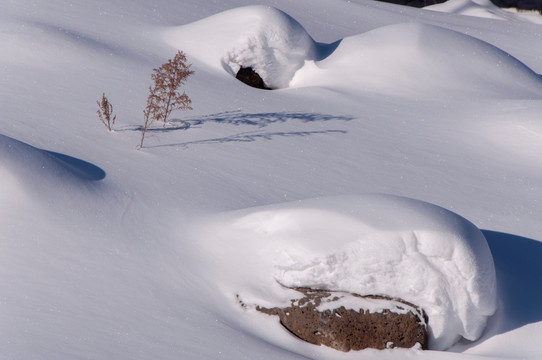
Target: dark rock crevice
[251,78]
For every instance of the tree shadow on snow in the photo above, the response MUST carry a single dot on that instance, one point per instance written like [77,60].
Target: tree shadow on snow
[172,125]
[250,137]
[238,118]
[518,263]
[264,119]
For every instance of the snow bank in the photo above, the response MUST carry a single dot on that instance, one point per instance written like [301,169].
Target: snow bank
[444,63]
[270,41]
[421,60]
[369,245]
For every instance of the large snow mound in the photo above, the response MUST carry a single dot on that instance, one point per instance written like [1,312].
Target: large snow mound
[369,245]
[422,60]
[262,37]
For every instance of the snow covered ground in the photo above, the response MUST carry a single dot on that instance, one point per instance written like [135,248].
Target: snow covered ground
[102,254]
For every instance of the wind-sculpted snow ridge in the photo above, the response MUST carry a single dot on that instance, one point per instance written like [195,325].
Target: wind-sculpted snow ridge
[402,59]
[262,37]
[368,245]
[26,170]
[26,159]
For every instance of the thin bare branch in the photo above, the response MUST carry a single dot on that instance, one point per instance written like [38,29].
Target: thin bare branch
[105,113]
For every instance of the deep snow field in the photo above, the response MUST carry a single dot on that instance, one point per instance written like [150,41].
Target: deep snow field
[109,252]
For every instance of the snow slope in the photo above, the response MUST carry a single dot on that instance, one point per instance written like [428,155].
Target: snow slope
[100,256]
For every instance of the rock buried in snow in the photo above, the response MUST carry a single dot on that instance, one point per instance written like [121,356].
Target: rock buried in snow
[368,244]
[270,41]
[251,78]
[346,321]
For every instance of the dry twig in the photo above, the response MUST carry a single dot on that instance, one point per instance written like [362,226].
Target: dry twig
[105,112]
[164,96]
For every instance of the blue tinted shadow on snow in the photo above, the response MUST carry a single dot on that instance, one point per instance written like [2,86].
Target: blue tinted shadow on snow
[324,50]
[518,263]
[263,119]
[80,168]
[238,118]
[172,125]
[250,137]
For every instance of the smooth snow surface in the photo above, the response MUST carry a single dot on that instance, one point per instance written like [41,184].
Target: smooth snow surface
[367,245]
[386,60]
[102,254]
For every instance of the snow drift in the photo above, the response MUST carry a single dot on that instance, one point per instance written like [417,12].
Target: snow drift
[25,161]
[368,245]
[262,37]
[32,175]
[444,63]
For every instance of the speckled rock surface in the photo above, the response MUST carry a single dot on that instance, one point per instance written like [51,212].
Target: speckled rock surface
[347,321]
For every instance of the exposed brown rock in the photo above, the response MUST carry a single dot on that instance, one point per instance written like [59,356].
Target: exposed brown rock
[251,78]
[399,324]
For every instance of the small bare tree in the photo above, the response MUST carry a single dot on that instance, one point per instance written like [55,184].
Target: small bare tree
[164,96]
[105,112]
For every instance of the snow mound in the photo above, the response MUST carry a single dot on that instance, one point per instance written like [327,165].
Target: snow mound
[368,245]
[262,37]
[24,167]
[421,60]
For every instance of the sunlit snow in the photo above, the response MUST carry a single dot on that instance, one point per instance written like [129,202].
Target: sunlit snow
[109,252]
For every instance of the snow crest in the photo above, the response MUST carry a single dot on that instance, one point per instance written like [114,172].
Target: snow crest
[368,245]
